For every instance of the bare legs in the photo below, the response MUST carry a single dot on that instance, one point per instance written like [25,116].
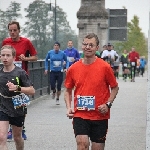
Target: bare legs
[83,143]
[17,134]
[4,125]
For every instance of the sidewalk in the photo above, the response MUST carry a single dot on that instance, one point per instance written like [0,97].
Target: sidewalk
[48,128]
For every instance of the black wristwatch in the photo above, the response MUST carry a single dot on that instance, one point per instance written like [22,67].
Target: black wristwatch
[18,88]
[109,104]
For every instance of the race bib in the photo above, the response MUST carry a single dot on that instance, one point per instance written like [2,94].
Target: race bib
[70,59]
[18,63]
[85,102]
[125,65]
[20,100]
[133,63]
[56,63]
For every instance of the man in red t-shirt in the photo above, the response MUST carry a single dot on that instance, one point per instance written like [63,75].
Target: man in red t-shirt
[25,52]
[133,57]
[95,89]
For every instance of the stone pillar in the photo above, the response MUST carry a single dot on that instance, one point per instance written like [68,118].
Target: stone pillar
[92,18]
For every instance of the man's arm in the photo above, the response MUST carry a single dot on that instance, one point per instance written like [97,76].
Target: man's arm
[138,56]
[77,56]
[30,58]
[103,55]
[66,63]
[68,99]
[116,56]
[121,59]
[104,107]
[26,90]
[113,94]
[46,60]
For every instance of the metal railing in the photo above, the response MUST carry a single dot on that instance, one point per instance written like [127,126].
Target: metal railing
[40,81]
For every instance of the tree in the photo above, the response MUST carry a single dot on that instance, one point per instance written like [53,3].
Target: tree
[37,25]
[3,26]
[40,26]
[135,38]
[11,13]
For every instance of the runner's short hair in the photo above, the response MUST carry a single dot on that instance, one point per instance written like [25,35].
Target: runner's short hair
[92,35]
[14,22]
[11,48]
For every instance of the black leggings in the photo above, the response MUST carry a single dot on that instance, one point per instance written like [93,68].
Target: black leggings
[133,70]
[56,77]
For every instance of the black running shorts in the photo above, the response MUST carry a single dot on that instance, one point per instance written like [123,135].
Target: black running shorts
[95,129]
[17,121]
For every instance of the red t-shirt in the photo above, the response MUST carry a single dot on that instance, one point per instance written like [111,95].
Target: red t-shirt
[91,80]
[133,56]
[22,46]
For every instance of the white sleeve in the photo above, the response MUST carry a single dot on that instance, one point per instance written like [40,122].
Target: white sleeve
[103,54]
[116,54]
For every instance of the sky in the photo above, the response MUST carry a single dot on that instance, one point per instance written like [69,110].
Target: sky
[141,8]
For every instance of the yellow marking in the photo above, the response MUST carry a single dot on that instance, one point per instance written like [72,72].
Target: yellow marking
[17,79]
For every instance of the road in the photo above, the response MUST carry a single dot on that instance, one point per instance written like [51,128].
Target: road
[48,128]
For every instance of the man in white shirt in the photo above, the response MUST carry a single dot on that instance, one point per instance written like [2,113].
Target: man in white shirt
[109,55]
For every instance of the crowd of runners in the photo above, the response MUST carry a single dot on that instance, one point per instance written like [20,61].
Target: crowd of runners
[85,74]
[129,64]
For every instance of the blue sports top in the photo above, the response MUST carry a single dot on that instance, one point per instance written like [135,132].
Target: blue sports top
[56,60]
[71,53]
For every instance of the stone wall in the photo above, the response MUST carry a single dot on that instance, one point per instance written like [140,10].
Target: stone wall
[92,17]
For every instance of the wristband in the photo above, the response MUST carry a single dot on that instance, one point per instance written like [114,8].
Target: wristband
[18,88]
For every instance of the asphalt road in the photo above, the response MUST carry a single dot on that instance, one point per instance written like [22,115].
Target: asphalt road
[48,128]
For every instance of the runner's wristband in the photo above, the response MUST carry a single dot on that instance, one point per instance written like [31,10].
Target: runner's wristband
[18,88]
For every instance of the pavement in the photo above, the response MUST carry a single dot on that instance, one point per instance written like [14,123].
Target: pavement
[48,128]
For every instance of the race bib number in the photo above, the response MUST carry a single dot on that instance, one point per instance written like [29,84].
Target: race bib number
[20,100]
[133,63]
[56,63]
[70,59]
[85,102]
[18,63]
[125,65]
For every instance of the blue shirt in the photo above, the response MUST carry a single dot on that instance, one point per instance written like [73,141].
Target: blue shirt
[142,63]
[56,60]
[71,53]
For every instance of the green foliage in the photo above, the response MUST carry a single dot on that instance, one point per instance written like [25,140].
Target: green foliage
[135,38]
[39,26]
[3,26]
[11,13]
